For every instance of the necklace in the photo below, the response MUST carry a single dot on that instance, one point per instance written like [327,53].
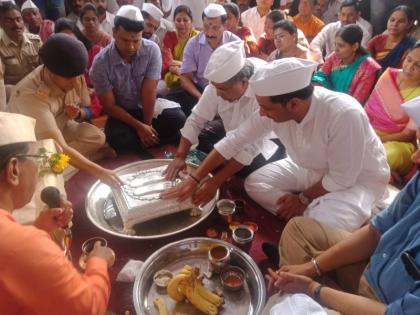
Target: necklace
[413,89]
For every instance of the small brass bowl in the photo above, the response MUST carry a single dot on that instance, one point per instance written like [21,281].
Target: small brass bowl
[232,278]
[162,277]
[87,247]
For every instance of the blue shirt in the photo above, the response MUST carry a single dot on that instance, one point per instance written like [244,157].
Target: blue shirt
[197,53]
[109,72]
[399,226]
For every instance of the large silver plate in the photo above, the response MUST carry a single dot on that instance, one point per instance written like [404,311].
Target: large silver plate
[193,251]
[101,211]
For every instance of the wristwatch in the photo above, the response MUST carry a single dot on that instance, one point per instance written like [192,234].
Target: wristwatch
[303,199]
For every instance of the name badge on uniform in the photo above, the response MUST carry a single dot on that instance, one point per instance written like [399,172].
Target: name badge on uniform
[42,93]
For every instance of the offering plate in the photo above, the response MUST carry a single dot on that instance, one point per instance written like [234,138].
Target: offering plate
[194,252]
[102,212]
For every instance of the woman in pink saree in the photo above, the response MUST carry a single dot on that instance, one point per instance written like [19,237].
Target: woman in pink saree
[396,130]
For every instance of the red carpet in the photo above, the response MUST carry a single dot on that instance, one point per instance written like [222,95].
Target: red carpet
[125,249]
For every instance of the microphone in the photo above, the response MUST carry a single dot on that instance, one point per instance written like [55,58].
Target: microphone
[51,197]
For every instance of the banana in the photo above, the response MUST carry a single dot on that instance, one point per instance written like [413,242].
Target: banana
[199,302]
[186,284]
[159,303]
[208,295]
[173,285]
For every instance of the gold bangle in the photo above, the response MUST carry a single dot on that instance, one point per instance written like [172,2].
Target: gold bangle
[316,265]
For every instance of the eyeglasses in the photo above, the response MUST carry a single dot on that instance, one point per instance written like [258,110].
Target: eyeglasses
[40,158]
[36,156]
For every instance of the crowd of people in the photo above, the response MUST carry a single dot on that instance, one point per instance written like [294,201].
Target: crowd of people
[303,98]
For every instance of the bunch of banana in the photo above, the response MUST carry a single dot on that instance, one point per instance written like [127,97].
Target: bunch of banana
[187,285]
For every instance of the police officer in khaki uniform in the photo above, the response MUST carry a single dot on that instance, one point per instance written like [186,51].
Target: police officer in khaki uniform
[54,94]
[19,50]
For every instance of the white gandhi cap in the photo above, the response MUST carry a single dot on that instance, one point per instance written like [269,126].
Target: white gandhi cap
[16,128]
[214,10]
[130,12]
[28,4]
[412,108]
[225,62]
[153,11]
[282,76]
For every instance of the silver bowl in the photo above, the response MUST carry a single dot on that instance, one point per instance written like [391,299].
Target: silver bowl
[193,251]
[101,210]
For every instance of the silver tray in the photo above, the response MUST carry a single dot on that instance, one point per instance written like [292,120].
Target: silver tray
[101,210]
[193,251]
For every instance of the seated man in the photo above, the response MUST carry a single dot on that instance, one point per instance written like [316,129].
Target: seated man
[106,19]
[54,94]
[327,10]
[307,21]
[34,21]
[243,4]
[254,18]
[229,96]
[336,167]
[324,43]
[197,53]
[125,76]
[391,242]
[75,7]
[19,50]
[36,277]
[152,16]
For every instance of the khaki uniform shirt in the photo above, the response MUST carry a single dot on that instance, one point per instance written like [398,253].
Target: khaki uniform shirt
[18,61]
[39,97]
[3,105]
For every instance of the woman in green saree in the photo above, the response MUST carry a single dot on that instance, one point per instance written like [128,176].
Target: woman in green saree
[349,69]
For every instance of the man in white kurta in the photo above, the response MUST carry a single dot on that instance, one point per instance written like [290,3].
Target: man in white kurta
[324,43]
[336,167]
[230,97]
[334,144]
[254,18]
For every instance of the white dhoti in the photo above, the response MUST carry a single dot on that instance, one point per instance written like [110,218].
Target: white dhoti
[345,209]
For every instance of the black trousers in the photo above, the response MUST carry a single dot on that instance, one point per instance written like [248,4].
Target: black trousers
[214,131]
[123,137]
[183,98]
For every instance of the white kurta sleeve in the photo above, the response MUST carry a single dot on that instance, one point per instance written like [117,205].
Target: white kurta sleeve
[204,111]
[367,31]
[246,156]
[346,150]
[319,42]
[247,133]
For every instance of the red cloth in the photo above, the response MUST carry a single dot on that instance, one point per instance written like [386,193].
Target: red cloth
[169,42]
[265,45]
[46,29]
[251,46]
